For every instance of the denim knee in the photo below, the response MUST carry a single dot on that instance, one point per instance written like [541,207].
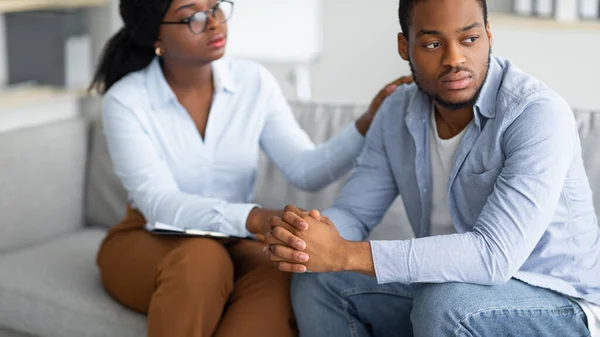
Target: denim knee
[437,306]
[310,288]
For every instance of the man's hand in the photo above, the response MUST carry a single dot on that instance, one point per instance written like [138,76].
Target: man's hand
[317,247]
[364,122]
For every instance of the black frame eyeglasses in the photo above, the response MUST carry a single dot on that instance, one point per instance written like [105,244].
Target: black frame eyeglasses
[198,22]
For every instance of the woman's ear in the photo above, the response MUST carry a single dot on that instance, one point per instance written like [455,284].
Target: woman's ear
[403,46]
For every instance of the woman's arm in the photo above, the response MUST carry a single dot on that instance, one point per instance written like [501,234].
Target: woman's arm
[305,165]
[152,187]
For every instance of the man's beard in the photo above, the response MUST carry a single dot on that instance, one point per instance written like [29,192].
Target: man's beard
[449,105]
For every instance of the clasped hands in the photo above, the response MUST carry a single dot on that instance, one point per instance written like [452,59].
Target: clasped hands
[303,241]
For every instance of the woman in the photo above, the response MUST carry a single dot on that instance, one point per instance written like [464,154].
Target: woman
[184,127]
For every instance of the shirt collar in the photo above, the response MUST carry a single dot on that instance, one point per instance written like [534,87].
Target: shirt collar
[486,102]
[161,94]
[224,81]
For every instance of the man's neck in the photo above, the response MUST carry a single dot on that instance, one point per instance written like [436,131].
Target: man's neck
[451,122]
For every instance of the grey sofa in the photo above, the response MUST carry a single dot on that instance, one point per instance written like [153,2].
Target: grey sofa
[58,196]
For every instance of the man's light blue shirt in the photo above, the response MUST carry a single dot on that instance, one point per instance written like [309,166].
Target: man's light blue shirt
[519,197]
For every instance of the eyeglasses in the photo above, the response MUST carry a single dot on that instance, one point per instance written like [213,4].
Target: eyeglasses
[198,22]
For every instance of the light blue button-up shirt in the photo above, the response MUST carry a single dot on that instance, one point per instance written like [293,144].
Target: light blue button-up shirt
[173,176]
[519,197]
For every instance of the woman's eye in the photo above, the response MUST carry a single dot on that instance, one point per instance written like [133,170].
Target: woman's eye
[198,17]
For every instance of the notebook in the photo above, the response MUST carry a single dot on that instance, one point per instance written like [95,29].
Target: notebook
[164,229]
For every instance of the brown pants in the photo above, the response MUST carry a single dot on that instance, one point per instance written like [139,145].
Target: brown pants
[195,286]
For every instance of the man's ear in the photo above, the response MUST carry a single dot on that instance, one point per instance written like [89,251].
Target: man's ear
[488,30]
[403,47]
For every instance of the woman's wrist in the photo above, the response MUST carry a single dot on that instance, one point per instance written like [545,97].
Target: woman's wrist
[253,221]
[258,219]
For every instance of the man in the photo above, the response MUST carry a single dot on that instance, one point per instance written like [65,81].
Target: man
[488,163]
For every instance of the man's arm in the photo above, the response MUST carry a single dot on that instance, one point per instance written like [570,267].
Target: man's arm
[371,189]
[361,205]
[540,146]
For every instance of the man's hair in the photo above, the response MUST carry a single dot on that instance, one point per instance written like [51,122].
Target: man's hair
[406,7]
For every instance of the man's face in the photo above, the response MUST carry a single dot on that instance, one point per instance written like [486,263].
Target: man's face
[449,50]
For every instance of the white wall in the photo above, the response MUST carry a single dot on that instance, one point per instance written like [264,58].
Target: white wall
[566,60]
[103,22]
[360,54]
[359,51]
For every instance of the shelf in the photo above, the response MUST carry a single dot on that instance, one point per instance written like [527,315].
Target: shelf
[515,21]
[15,97]
[32,5]
[35,105]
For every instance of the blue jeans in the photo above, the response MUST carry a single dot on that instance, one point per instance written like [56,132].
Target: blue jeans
[350,304]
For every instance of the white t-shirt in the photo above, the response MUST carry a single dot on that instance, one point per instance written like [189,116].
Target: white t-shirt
[441,155]
[442,152]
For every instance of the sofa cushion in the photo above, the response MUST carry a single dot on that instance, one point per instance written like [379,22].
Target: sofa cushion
[588,123]
[53,290]
[11,333]
[106,197]
[42,174]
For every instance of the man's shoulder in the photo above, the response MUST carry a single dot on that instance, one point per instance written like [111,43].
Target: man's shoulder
[519,90]
[527,104]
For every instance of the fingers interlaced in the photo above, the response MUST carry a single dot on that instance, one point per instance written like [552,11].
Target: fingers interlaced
[282,253]
[284,258]
[284,233]
[295,220]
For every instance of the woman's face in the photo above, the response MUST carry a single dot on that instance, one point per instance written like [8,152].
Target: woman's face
[203,39]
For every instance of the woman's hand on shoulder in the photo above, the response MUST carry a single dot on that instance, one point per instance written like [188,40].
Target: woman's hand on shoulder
[364,122]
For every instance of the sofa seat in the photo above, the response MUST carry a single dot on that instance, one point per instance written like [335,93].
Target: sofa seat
[53,290]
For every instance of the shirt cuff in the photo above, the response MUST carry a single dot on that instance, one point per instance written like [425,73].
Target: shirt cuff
[390,259]
[236,216]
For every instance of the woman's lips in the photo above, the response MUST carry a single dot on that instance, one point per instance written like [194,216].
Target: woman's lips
[217,41]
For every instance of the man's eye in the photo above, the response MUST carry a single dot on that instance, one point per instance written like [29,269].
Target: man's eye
[471,39]
[432,45]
